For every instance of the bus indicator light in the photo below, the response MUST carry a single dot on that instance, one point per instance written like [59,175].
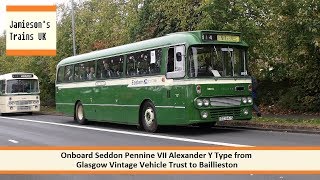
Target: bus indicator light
[198,88]
[163,79]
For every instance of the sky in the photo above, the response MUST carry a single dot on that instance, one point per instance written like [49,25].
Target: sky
[3,4]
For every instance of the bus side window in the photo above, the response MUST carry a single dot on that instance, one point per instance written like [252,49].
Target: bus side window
[119,67]
[60,75]
[155,60]
[107,70]
[68,73]
[77,72]
[89,71]
[131,65]
[2,87]
[116,66]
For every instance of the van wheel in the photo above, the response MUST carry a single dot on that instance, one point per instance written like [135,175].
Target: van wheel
[80,118]
[148,117]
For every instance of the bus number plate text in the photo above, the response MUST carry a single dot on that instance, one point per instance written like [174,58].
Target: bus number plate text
[22,108]
[225,118]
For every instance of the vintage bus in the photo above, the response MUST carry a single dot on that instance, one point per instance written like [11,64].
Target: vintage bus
[183,78]
[19,93]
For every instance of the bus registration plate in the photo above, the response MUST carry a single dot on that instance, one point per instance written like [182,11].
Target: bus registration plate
[23,108]
[225,118]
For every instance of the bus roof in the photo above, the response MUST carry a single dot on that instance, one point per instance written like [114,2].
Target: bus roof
[188,37]
[18,75]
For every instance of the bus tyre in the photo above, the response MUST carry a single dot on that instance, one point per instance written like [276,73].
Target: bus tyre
[148,117]
[80,118]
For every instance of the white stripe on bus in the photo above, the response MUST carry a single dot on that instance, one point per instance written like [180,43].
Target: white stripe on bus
[175,107]
[123,105]
[128,82]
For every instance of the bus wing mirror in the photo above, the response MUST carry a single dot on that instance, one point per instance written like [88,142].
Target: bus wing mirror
[178,56]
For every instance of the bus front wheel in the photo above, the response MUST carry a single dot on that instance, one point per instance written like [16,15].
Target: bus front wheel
[80,118]
[148,117]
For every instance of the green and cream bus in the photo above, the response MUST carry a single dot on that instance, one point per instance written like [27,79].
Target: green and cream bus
[184,78]
[19,93]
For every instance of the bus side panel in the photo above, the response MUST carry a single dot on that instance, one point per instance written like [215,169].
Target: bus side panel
[131,98]
[64,104]
[3,101]
[107,106]
[171,105]
[127,101]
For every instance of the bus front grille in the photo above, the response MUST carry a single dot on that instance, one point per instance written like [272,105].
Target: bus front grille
[216,113]
[21,103]
[225,101]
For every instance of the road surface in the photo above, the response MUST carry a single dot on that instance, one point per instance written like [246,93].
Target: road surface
[49,130]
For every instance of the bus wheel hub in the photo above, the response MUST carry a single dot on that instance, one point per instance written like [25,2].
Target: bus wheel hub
[149,116]
[80,112]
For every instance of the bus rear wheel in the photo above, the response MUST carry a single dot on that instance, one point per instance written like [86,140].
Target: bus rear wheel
[80,118]
[148,117]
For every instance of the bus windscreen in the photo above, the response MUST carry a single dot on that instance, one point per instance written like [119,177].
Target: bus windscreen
[22,86]
[217,61]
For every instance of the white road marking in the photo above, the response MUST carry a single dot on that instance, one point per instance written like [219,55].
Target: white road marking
[13,141]
[132,133]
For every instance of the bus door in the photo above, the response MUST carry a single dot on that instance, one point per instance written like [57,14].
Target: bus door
[176,94]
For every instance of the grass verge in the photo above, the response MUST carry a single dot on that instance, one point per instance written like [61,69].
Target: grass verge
[285,123]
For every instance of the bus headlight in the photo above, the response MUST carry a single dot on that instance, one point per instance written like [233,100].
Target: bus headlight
[245,111]
[206,102]
[249,100]
[204,114]
[244,100]
[199,102]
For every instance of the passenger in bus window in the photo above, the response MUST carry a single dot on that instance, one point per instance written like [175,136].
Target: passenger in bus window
[76,76]
[86,73]
[91,74]
[107,71]
[68,75]
[117,70]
